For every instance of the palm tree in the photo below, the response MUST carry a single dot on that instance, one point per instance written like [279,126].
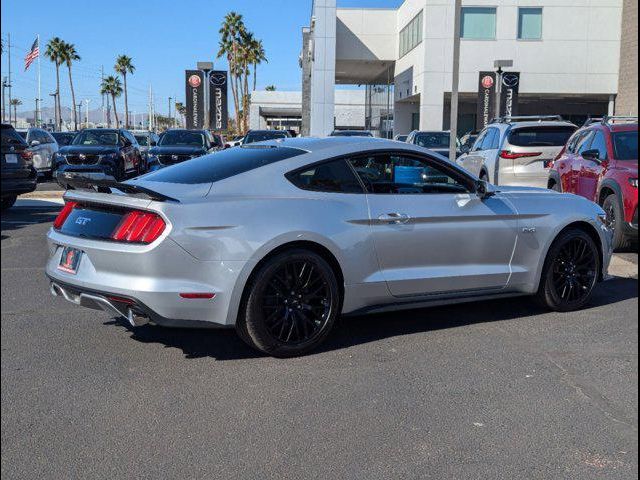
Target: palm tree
[258,56]
[230,40]
[53,52]
[69,55]
[123,66]
[15,102]
[112,86]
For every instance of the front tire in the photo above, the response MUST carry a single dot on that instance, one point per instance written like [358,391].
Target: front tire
[615,220]
[570,272]
[291,305]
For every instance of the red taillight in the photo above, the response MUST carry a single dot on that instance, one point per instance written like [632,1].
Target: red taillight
[64,214]
[26,155]
[507,155]
[139,227]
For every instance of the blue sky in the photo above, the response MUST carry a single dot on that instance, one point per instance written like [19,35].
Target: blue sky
[164,37]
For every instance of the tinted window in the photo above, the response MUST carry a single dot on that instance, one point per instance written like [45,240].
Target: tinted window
[351,133]
[478,23]
[540,136]
[490,142]
[142,140]
[600,143]
[253,137]
[63,139]
[625,145]
[11,138]
[225,164]
[573,143]
[477,147]
[530,23]
[432,140]
[96,138]
[335,176]
[398,174]
[585,142]
[191,139]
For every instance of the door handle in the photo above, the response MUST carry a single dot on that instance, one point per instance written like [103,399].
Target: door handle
[394,218]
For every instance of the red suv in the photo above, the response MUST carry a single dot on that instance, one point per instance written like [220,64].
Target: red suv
[600,162]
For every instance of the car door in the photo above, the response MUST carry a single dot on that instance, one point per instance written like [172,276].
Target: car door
[473,161]
[432,234]
[51,146]
[591,170]
[129,152]
[564,164]
[579,162]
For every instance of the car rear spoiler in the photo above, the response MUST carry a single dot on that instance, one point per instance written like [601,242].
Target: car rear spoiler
[80,182]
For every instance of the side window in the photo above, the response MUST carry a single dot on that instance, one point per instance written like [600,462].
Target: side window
[334,176]
[400,174]
[573,142]
[491,140]
[49,137]
[584,143]
[495,145]
[600,143]
[477,147]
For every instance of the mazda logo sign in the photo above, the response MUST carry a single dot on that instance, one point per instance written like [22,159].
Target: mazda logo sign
[218,79]
[510,80]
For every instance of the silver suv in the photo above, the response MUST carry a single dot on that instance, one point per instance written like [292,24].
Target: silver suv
[518,150]
[42,145]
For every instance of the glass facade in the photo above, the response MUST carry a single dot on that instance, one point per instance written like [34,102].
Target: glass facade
[530,23]
[411,35]
[478,23]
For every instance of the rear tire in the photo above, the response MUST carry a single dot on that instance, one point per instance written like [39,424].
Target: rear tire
[570,272]
[8,202]
[291,304]
[615,220]
[484,176]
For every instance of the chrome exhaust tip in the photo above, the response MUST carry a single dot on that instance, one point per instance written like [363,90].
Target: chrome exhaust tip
[54,289]
[135,319]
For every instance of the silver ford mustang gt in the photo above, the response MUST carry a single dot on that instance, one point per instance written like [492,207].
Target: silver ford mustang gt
[279,238]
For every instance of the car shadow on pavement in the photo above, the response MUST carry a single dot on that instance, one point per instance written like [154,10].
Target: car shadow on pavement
[28,213]
[224,344]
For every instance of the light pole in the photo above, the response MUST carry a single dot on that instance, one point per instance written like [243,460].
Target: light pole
[170,122]
[86,103]
[500,64]
[55,103]
[453,136]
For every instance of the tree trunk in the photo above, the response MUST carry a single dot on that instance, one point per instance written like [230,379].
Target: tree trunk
[115,112]
[255,76]
[245,106]
[57,106]
[73,100]
[126,102]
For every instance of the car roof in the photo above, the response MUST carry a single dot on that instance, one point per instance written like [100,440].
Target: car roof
[533,124]
[313,144]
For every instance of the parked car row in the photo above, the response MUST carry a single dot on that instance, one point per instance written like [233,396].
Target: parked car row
[18,173]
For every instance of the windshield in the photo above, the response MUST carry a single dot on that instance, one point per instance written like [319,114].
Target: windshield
[96,138]
[253,137]
[142,140]
[63,139]
[227,163]
[433,140]
[183,138]
[625,145]
[541,136]
[22,134]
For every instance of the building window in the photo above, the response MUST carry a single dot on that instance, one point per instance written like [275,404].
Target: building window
[478,23]
[530,23]
[411,35]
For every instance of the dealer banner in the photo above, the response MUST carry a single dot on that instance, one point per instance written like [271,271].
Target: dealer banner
[486,99]
[194,84]
[218,100]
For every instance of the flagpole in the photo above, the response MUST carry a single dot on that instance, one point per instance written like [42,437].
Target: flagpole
[39,112]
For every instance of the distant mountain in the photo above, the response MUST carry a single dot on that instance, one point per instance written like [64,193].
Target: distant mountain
[95,115]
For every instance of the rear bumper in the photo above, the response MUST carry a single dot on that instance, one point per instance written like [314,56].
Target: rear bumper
[18,185]
[152,277]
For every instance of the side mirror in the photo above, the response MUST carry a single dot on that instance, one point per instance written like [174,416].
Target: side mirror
[483,191]
[465,149]
[593,155]
[152,143]
[34,143]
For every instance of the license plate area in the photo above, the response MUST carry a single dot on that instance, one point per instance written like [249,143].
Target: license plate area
[70,260]
[11,158]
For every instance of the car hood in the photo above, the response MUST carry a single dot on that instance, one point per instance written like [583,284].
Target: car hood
[511,190]
[88,150]
[176,150]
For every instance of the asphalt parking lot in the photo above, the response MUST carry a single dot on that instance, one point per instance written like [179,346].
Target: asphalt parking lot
[488,390]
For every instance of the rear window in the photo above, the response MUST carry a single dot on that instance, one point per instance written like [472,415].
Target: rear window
[625,145]
[541,136]
[221,165]
[11,138]
[253,137]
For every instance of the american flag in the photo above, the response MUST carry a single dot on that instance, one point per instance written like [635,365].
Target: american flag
[32,55]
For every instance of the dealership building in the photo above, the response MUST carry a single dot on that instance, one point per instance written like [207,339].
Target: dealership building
[567,55]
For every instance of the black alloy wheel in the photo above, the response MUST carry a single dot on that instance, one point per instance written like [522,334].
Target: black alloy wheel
[292,304]
[571,272]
